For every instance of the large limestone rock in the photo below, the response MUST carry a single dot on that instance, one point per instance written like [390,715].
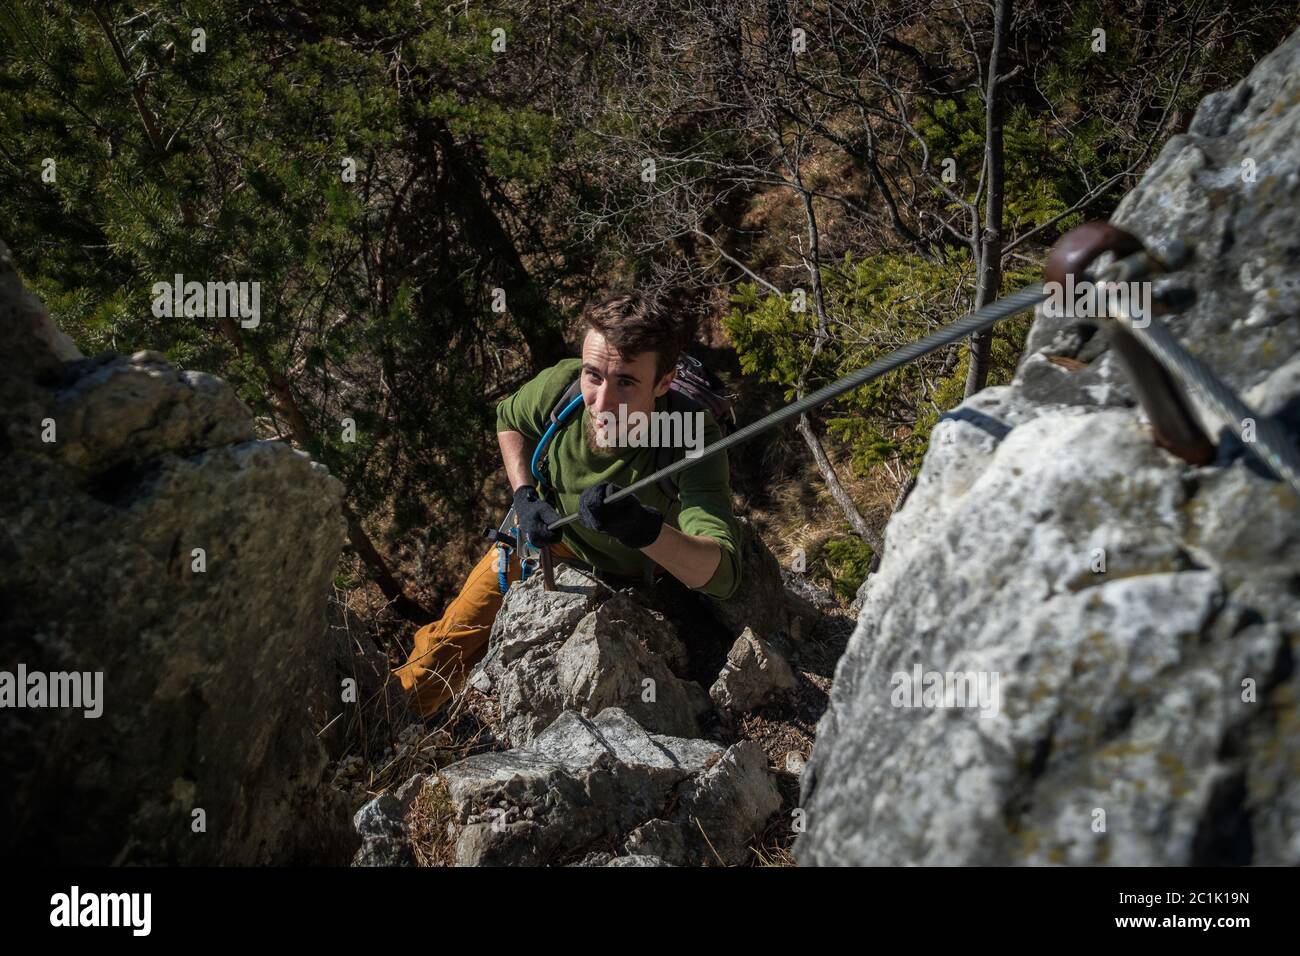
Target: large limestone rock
[383,827]
[610,764]
[1144,713]
[606,781]
[579,648]
[214,683]
[756,672]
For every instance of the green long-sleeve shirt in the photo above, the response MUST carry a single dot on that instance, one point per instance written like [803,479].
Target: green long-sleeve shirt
[572,467]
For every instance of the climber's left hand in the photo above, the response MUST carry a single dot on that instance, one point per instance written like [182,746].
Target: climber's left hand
[627,520]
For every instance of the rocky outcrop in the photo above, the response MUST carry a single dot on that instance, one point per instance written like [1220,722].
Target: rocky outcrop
[1133,619]
[756,671]
[383,826]
[613,761]
[607,781]
[571,649]
[148,538]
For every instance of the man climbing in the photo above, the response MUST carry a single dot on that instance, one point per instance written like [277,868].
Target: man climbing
[629,356]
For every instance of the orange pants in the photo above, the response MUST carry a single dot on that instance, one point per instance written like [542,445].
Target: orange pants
[447,650]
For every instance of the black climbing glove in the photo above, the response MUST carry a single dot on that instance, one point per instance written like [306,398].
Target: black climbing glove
[631,522]
[534,514]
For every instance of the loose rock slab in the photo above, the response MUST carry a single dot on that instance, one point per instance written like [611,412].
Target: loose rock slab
[572,649]
[755,673]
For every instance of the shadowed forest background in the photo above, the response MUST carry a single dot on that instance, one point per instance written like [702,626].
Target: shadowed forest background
[812,185]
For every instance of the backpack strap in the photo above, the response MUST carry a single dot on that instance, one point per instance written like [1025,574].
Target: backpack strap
[570,393]
[558,420]
[664,456]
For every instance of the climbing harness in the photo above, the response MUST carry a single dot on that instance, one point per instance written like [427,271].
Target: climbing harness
[1160,369]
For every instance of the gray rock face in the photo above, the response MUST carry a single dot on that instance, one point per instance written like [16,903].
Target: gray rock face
[569,650]
[214,682]
[730,801]
[660,839]
[603,664]
[381,823]
[609,766]
[584,781]
[531,616]
[608,859]
[1133,618]
[755,673]
[637,860]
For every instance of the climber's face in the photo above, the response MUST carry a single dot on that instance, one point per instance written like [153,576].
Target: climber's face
[610,380]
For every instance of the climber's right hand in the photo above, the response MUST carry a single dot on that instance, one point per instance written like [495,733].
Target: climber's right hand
[534,515]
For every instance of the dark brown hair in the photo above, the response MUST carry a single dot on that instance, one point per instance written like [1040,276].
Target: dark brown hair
[633,323]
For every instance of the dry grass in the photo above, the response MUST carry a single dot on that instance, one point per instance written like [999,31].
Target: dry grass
[384,742]
[797,513]
[773,853]
[430,820]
